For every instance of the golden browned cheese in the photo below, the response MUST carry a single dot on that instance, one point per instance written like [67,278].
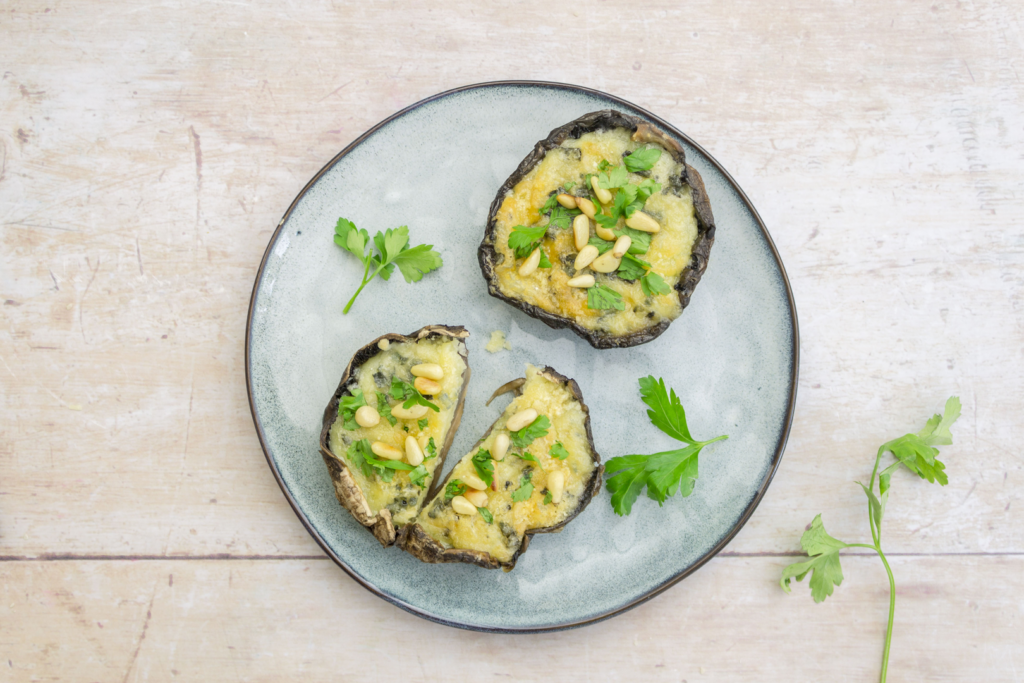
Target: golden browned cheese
[502,537]
[546,288]
[400,495]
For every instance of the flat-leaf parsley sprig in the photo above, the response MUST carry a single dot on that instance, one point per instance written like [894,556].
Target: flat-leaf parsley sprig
[385,251]
[917,453]
[662,473]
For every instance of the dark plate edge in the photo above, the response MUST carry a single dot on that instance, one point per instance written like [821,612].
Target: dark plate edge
[776,460]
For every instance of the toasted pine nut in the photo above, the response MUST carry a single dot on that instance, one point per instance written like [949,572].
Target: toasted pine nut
[643,222]
[556,485]
[585,257]
[582,281]
[531,263]
[428,370]
[413,413]
[384,344]
[382,450]
[463,506]
[500,448]
[367,416]
[581,231]
[567,200]
[422,441]
[605,263]
[603,195]
[622,246]
[605,233]
[413,454]
[473,482]
[477,498]
[427,387]
[587,207]
[521,419]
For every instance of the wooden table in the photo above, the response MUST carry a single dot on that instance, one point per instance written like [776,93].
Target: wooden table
[147,153]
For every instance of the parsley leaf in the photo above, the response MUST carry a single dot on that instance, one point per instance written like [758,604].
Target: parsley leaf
[662,473]
[522,240]
[544,262]
[431,450]
[486,514]
[484,465]
[602,245]
[454,488]
[403,391]
[380,255]
[422,424]
[384,408]
[646,188]
[640,241]
[356,453]
[558,451]
[631,268]
[550,204]
[823,550]
[526,455]
[603,165]
[654,285]
[642,159]
[601,297]
[347,407]
[615,178]
[418,476]
[917,451]
[524,491]
[535,430]
[561,217]
[547,498]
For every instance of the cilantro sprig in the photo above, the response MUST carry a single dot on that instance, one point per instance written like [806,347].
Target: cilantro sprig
[918,453]
[662,473]
[385,251]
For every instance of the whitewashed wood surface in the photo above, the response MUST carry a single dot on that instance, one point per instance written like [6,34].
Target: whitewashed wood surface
[147,152]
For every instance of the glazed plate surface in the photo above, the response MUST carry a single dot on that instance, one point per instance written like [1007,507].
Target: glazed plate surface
[732,357]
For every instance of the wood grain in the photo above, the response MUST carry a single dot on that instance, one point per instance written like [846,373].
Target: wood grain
[148,151]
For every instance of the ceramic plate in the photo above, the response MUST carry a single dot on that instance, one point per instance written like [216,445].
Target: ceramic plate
[732,357]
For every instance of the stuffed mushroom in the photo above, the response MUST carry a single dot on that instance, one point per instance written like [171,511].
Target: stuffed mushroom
[533,472]
[603,228]
[390,423]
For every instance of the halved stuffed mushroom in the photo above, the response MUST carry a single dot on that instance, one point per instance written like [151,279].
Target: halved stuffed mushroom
[533,471]
[391,421]
[603,228]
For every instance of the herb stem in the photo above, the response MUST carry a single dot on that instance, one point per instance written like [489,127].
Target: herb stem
[366,280]
[892,604]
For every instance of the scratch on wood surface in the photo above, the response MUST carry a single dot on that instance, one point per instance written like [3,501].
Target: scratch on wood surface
[56,286]
[332,92]
[138,255]
[95,270]
[198,150]
[142,637]
[3,160]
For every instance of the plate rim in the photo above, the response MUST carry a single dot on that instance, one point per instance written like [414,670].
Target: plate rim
[671,581]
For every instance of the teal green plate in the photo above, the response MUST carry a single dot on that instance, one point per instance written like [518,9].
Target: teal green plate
[435,166]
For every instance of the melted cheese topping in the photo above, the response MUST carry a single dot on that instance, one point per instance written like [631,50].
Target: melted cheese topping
[400,495]
[546,288]
[512,520]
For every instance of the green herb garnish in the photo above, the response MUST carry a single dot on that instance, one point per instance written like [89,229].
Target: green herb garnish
[526,455]
[558,451]
[602,245]
[917,453]
[384,408]
[642,159]
[662,473]
[535,430]
[600,297]
[653,284]
[561,217]
[639,241]
[615,178]
[525,489]
[486,514]
[484,465]
[422,424]
[392,249]
[523,240]
[547,498]
[419,476]
[431,449]
[454,488]
[403,391]
[631,268]
[347,407]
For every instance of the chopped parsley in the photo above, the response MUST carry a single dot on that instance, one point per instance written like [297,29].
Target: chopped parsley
[600,297]
[642,159]
[523,240]
[484,465]
[418,476]
[455,487]
[347,407]
[654,285]
[547,498]
[431,449]
[422,423]
[384,408]
[558,451]
[403,391]
[535,430]
[631,268]
[486,514]
[525,489]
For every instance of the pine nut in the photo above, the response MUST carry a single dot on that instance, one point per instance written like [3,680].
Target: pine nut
[500,448]
[622,246]
[567,200]
[463,506]
[428,370]
[556,485]
[413,413]
[643,222]
[586,257]
[605,233]
[473,482]
[605,263]
[427,387]
[413,454]
[521,419]
[531,263]
[384,344]
[422,441]
[367,416]
[382,450]
[477,498]
[587,207]
[582,281]
[603,195]
[581,231]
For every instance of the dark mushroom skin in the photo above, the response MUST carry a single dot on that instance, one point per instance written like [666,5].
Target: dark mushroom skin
[572,312]
[440,534]
[378,505]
